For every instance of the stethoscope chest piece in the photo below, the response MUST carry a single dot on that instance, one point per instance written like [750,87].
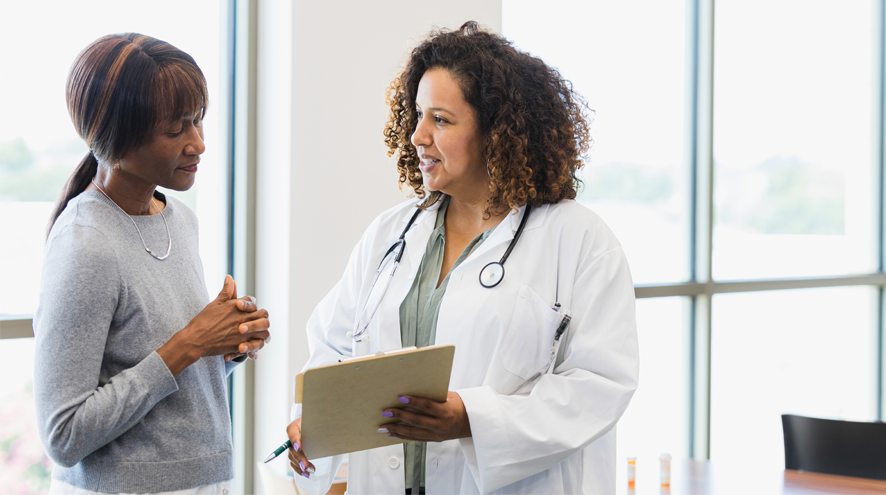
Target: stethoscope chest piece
[492,274]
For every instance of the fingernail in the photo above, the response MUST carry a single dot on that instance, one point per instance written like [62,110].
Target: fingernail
[306,475]
[404,400]
[310,470]
[388,414]
[244,328]
[382,430]
[391,436]
[295,446]
[301,465]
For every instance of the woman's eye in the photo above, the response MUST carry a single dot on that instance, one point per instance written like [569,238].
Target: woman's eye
[439,119]
[178,132]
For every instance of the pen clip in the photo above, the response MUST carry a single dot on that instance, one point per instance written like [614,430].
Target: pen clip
[564,323]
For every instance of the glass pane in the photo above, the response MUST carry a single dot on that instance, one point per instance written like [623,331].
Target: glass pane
[627,59]
[810,352]
[793,114]
[39,148]
[655,421]
[24,468]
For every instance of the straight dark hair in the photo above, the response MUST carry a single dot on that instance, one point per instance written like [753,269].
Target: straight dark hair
[121,88]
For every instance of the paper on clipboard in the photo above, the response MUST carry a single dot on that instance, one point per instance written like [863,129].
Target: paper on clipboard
[342,403]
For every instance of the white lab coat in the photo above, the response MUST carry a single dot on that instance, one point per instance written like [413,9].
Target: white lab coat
[557,436]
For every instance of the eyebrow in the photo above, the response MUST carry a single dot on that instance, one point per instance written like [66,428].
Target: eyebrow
[438,109]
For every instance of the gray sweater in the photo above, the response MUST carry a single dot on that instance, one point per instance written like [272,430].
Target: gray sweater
[110,413]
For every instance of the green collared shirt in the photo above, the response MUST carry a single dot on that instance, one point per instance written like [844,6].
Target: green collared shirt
[418,319]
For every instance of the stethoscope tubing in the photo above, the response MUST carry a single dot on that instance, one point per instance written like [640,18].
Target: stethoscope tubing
[500,265]
[401,242]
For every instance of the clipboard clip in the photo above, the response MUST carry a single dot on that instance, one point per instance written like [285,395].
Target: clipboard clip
[379,353]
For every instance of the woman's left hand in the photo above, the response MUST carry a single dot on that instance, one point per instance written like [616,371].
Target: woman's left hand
[436,421]
[247,304]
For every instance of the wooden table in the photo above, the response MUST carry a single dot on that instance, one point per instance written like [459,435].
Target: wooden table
[704,478]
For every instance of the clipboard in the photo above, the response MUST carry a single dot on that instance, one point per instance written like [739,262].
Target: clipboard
[342,403]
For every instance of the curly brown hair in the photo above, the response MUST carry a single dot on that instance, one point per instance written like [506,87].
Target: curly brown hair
[535,127]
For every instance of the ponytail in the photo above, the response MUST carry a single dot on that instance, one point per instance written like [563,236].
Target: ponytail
[76,184]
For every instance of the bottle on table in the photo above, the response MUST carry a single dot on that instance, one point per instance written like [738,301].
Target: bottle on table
[665,460]
[632,471]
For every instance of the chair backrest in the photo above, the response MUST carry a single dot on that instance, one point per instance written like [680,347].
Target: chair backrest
[846,448]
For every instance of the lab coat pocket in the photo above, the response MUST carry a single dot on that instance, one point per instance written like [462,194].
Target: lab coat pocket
[526,347]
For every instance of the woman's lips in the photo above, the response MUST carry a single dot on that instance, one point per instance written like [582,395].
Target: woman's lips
[427,165]
[191,169]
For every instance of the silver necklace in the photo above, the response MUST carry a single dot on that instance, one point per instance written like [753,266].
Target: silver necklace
[168,247]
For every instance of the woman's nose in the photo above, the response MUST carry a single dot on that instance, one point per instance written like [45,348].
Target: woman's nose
[195,144]
[421,137]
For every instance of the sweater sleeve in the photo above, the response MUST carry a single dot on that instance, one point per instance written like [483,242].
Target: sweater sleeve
[80,292]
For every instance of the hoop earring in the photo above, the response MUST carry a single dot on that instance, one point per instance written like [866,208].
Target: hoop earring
[487,170]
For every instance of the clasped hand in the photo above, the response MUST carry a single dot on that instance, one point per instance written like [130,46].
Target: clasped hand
[229,325]
[247,304]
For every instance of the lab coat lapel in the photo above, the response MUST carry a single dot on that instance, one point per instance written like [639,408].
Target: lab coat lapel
[417,240]
[388,317]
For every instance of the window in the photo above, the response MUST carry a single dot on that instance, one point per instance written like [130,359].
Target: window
[636,179]
[793,130]
[810,352]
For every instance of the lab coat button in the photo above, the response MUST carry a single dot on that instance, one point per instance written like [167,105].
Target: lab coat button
[394,463]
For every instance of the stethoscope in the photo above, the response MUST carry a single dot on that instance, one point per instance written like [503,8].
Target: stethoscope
[490,276]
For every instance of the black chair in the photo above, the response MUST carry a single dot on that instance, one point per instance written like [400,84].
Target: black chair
[846,448]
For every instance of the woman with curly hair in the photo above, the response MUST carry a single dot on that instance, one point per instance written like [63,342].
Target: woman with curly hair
[490,139]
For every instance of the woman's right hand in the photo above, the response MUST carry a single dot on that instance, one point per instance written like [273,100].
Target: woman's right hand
[297,458]
[221,328]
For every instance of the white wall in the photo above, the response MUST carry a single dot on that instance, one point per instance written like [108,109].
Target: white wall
[323,172]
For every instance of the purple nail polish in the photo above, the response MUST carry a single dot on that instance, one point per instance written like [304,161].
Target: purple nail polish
[392,436]
[301,465]
[388,414]
[404,400]
[306,475]
[295,446]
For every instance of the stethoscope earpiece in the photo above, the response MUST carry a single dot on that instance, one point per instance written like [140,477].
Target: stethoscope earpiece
[492,274]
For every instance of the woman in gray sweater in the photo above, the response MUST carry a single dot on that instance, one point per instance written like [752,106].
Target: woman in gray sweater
[132,356]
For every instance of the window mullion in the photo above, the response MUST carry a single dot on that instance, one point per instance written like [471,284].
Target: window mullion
[880,175]
[700,157]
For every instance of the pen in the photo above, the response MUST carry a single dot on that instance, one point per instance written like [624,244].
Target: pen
[278,451]
[562,328]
